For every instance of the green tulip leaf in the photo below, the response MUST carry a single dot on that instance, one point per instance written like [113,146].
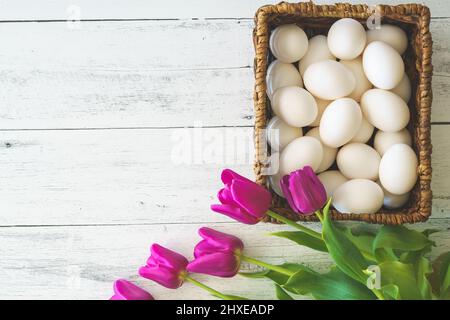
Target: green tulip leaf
[303,239]
[334,285]
[401,275]
[413,257]
[344,252]
[423,270]
[391,292]
[392,240]
[278,278]
[363,240]
[281,294]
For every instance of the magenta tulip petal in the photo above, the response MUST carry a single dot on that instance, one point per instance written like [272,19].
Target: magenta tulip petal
[235,213]
[284,184]
[216,241]
[162,275]
[303,191]
[165,267]
[229,175]
[242,199]
[202,248]
[317,186]
[217,254]
[125,290]
[215,264]
[165,257]
[251,197]
[298,185]
[225,196]
[220,239]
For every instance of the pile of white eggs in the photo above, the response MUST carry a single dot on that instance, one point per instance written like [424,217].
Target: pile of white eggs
[330,95]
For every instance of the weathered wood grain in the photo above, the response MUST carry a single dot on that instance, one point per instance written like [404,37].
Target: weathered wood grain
[67,177]
[152,9]
[81,207]
[107,176]
[82,262]
[441,96]
[106,75]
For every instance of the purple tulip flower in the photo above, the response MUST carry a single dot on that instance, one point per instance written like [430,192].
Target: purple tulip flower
[218,254]
[125,290]
[241,199]
[165,267]
[304,191]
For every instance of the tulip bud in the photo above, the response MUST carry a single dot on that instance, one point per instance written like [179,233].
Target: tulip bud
[218,254]
[165,267]
[241,199]
[304,191]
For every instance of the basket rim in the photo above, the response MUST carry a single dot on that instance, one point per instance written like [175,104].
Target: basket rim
[415,13]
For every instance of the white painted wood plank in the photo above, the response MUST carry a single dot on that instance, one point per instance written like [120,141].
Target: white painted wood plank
[109,176]
[441,97]
[440,33]
[127,45]
[82,262]
[123,99]
[107,75]
[128,176]
[152,9]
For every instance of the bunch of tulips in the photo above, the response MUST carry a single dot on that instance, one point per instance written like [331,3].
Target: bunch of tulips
[392,263]
[220,254]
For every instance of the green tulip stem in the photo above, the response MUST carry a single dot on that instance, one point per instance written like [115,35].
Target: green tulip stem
[294,224]
[267,265]
[206,288]
[319,215]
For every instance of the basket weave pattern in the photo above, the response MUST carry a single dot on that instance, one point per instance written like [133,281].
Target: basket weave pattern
[414,19]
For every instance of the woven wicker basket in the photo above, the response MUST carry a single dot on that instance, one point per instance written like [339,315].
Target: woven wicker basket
[414,19]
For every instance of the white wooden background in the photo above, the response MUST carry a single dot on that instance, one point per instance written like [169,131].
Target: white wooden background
[86,119]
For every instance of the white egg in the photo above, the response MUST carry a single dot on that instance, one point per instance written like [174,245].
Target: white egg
[317,51]
[383,65]
[329,80]
[280,74]
[358,196]
[321,106]
[288,43]
[358,161]
[296,106]
[362,83]
[384,140]
[340,122]
[398,169]
[279,134]
[364,133]
[331,180]
[346,39]
[329,153]
[274,182]
[385,110]
[390,34]
[303,151]
[394,201]
[403,89]
[271,41]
